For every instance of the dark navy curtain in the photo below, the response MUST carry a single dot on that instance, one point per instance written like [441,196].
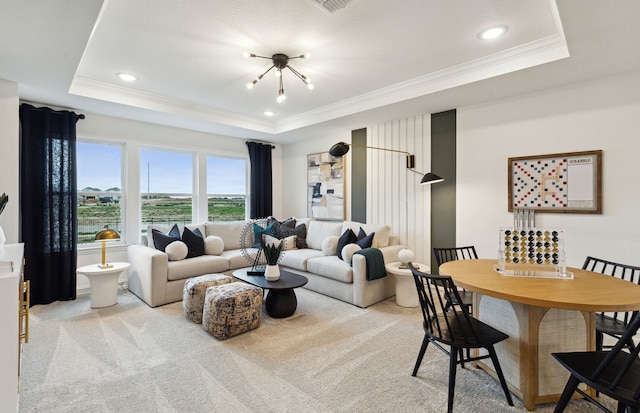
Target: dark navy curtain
[48,202]
[261,199]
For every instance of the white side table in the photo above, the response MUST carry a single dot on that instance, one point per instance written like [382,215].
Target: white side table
[104,283]
[406,294]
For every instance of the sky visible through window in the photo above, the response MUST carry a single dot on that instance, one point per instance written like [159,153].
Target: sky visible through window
[166,172]
[226,175]
[99,166]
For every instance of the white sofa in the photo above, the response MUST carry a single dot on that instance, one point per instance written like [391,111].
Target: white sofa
[157,280]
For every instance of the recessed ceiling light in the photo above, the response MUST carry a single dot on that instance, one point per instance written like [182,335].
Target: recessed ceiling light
[268,113]
[492,32]
[127,77]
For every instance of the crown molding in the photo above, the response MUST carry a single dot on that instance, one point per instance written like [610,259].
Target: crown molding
[91,88]
[535,53]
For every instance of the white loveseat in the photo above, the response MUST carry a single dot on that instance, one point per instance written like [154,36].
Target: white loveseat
[157,280]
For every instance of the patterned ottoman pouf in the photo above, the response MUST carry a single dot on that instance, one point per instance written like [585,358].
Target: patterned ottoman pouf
[194,291]
[231,309]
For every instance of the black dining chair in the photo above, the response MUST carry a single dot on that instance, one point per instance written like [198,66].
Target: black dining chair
[613,324]
[452,254]
[615,373]
[453,327]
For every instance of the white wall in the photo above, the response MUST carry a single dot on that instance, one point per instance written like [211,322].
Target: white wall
[9,158]
[601,114]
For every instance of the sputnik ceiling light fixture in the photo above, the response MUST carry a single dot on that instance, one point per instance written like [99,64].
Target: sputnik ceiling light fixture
[280,62]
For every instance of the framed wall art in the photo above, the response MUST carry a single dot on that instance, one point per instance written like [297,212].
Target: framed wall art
[562,182]
[325,186]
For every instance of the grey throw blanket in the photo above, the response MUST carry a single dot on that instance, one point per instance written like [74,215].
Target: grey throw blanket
[375,263]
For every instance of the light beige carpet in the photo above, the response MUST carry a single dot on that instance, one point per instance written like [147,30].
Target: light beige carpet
[328,357]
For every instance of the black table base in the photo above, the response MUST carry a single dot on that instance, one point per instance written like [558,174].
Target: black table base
[281,303]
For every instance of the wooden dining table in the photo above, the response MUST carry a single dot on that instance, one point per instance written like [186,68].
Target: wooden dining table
[541,316]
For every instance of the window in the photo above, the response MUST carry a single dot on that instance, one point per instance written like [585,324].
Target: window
[226,188]
[99,180]
[166,187]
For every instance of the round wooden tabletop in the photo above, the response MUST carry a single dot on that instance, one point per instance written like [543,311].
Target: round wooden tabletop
[587,291]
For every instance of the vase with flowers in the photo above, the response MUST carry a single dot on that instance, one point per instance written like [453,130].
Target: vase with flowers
[272,256]
[3,202]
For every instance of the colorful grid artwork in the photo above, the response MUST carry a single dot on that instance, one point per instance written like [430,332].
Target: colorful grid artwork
[532,246]
[540,183]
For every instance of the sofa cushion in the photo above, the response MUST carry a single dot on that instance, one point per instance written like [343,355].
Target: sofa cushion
[348,251]
[287,223]
[204,264]
[347,237]
[297,259]
[319,230]
[331,267]
[161,240]
[176,251]
[194,241]
[330,245]
[236,259]
[213,245]
[288,243]
[259,232]
[299,231]
[229,231]
[380,239]
[364,240]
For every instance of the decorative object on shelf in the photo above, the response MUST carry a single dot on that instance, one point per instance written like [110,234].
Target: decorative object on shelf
[325,186]
[3,202]
[532,252]
[341,148]
[561,182]
[280,61]
[405,256]
[105,235]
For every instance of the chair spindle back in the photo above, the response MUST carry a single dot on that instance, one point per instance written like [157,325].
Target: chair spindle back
[623,271]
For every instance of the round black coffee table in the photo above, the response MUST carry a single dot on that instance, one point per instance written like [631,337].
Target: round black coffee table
[281,300]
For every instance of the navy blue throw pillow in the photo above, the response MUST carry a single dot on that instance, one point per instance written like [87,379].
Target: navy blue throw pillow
[161,240]
[194,241]
[347,237]
[366,241]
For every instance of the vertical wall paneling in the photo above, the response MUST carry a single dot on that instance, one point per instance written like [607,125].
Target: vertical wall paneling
[358,176]
[443,194]
[394,193]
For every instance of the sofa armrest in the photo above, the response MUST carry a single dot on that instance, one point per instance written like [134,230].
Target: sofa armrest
[148,274]
[367,292]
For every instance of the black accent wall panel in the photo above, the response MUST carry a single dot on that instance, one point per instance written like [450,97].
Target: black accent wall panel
[443,194]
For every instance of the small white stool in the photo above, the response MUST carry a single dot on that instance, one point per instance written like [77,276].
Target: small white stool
[406,293]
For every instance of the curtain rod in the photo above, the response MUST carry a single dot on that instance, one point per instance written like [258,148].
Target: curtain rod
[79,115]
[261,143]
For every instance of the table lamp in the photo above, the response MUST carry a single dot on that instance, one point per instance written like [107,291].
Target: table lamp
[105,235]
[406,256]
